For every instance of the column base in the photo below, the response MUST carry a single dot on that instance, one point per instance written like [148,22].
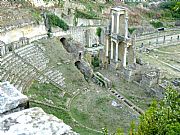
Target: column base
[115,65]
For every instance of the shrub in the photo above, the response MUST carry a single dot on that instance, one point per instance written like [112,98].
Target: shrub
[54,20]
[80,14]
[36,15]
[162,118]
[156,24]
[168,5]
[131,30]
[95,62]
[98,31]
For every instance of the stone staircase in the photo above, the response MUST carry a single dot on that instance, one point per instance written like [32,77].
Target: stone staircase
[34,56]
[55,76]
[27,63]
[16,71]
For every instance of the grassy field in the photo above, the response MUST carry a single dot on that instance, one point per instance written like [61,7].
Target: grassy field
[48,93]
[94,109]
[171,49]
[65,116]
[91,108]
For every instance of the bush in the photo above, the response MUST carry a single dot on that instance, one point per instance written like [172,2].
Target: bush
[168,5]
[131,30]
[166,13]
[156,24]
[37,15]
[171,7]
[80,14]
[162,118]
[56,21]
[98,31]
[95,62]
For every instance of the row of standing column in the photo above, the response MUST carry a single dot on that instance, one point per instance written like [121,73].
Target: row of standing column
[117,52]
[118,24]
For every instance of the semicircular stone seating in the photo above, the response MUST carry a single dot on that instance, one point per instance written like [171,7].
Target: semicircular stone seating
[26,63]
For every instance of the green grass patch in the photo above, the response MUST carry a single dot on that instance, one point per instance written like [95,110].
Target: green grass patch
[47,91]
[130,90]
[65,116]
[85,15]
[94,110]
[156,24]
[63,61]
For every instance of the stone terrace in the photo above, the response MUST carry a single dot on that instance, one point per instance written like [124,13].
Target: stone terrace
[12,17]
[21,66]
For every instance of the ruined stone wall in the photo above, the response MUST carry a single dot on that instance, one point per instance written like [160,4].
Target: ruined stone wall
[88,22]
[78,34]
[41,3]
[72,4]
[5,3]
[28,31]
[83,35]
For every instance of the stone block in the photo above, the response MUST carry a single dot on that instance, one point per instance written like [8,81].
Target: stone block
[33,121]
[10,97]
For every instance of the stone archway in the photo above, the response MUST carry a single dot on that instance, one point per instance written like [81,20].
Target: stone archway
[64,42]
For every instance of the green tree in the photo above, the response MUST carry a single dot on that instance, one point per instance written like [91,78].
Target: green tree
[132,130]
[162,118]
[177,7]
[131,30]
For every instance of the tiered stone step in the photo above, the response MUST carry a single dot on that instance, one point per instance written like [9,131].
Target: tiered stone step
[55,76]
[33,55]
[16,71]
[27,63]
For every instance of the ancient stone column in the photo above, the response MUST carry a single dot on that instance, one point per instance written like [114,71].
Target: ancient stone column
[124,56]
[118,16]
[131,54]
[164,39]
[111,49]
[107,46]
[112,23]
[117,50]
[2,50]
[126,26]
